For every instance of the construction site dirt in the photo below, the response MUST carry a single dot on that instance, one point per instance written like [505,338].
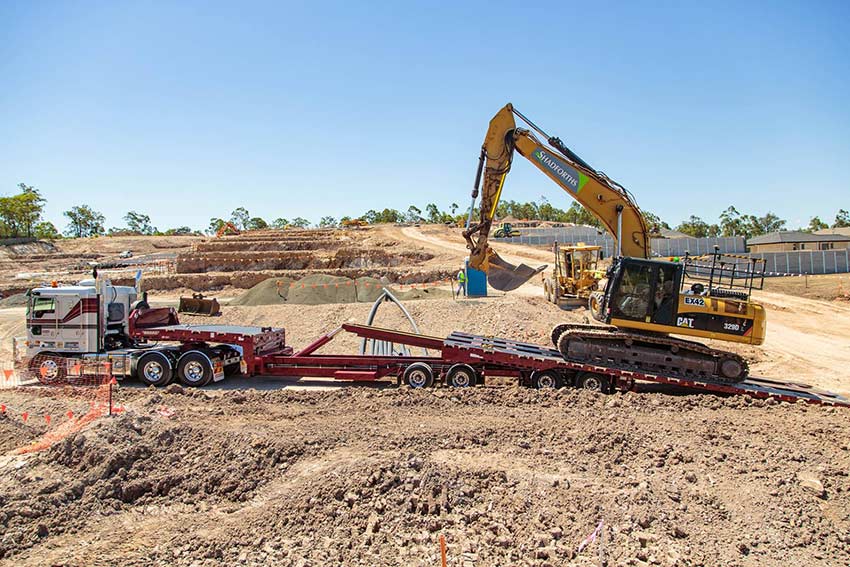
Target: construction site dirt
[288,472]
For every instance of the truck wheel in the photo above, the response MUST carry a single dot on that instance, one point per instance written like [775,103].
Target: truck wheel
[594,382]
[545,380]
[48,368]
[154,369]
[594,305]
[195,369]
[461,376]
[419,375]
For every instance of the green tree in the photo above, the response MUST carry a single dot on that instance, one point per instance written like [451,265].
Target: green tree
[327,222]
[139,223]
[215,225]
[240,218]
[280,222]
[732,223]
[654,223]
[756,226]
[21,212]
[370,216]
[816,224]
[179,231]
[842,219]
[694,226]
[414,214]
[46,230]
[84,222]
[256,223]
[300,222]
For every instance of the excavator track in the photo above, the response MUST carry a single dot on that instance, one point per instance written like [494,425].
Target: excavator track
[655,354]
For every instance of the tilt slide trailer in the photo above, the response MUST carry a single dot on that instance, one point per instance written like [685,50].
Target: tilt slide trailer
[466,360]
[165,350]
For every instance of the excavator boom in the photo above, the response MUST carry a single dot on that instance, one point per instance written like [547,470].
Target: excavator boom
[606,200]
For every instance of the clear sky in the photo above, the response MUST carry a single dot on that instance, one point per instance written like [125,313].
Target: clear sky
[187,110]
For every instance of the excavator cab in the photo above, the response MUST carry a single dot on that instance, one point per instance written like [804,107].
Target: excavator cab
[643,291]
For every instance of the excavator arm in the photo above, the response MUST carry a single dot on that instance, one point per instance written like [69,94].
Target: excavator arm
[605,199]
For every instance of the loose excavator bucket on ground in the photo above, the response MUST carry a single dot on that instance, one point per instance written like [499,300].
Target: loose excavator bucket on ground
[199,305]
[504,276]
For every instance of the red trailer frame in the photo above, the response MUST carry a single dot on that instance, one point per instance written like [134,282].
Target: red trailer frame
[264,352]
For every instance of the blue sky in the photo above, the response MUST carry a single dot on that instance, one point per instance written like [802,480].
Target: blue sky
[187,110]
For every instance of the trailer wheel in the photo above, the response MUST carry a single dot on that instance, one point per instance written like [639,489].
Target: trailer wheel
[594,382]
[461,376]
[547,379]
[154,369]
[195,369]
[419,375]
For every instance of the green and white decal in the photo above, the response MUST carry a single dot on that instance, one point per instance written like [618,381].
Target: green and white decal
[570,176]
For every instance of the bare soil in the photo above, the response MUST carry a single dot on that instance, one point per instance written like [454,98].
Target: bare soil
[373,475]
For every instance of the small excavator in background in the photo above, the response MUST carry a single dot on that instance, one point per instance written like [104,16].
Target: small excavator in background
[227,229]
[645,300]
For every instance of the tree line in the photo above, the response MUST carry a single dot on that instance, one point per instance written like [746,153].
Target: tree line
[21,216]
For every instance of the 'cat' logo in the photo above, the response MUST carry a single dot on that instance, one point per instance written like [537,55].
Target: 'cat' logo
[685,322]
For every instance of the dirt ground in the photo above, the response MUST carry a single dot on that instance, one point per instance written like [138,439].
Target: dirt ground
[373,475]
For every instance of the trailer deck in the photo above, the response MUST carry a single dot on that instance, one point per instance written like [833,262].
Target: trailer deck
[264,352]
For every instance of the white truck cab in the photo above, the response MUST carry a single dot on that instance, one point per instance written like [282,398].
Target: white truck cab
[90,317]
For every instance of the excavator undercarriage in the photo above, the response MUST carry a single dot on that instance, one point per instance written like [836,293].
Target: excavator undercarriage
[647,352]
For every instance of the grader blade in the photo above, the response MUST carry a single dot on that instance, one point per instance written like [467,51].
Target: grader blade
[199,305]
[504,276]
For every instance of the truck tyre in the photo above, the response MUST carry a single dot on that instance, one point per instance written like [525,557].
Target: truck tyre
[461,376]
[546,379]
[419,375]
[195,369]
[594,382]
[594,305]
[48,368]
[154,369]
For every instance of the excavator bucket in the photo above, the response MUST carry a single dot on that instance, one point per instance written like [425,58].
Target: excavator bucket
[504,276]
[199,305]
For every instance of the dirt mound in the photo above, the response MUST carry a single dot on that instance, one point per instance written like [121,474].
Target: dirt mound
[272,291]
[319,289]
[16,300]
[373,477]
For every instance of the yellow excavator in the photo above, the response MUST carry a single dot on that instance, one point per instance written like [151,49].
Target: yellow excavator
[645,300]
